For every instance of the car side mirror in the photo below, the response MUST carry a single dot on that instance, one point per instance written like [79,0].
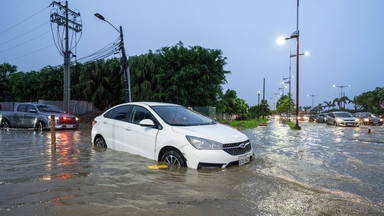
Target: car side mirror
[32,111]
[147,123]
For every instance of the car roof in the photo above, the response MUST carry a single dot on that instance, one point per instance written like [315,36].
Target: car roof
[150,103]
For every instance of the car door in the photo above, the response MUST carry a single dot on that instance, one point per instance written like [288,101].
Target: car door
[113,126]
[19,115]
[30,117]
[141,139]
[331,118]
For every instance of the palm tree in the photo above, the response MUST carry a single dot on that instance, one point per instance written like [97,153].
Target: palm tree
[328,104]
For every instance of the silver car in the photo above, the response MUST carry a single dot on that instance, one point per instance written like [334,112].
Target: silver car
[368,118]
[342,119]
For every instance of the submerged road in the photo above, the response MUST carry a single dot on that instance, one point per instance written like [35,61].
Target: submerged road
[320,170]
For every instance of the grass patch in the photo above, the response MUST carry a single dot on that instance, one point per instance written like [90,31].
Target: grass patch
[291,125]
[252,123]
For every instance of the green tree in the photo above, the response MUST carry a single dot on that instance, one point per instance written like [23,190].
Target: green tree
[231,104]
[282,104]
[5,71]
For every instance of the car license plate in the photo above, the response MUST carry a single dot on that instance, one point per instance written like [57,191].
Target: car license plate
[244,159]
[69,126]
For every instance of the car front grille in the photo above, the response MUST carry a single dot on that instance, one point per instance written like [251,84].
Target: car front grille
[237,148]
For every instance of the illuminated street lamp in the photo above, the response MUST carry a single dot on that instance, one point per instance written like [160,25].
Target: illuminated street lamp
[281,40]
[258,97]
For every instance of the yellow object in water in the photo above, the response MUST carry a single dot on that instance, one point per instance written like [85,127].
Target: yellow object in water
[158,167]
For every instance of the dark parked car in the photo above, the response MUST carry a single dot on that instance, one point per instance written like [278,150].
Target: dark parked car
[368,118]
[313,118]
[322,117]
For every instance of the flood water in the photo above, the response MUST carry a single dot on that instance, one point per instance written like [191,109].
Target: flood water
[320,170]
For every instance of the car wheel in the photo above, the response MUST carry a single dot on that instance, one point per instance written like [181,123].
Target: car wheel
[5,124]
[100,142]
[173,158]
[334,123]
[39,126]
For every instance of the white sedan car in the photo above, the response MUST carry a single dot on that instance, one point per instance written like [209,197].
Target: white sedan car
[170,133]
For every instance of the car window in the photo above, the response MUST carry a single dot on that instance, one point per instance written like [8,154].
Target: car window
[22,108]
[181,116]
[30,107]
[119,113]
[138,114]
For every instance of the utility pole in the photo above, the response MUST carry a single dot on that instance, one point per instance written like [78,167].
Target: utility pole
[264,89]
[68,23]
[127,80]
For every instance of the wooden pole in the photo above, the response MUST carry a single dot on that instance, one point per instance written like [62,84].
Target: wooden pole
[53,131]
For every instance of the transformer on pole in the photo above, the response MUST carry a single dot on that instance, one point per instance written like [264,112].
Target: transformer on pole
[65,20]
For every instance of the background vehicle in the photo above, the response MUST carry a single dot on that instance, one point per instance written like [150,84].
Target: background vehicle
[170,133]
[322,117]
[303,117]
[368,118]
[313,118]
[29,115]
[342,119]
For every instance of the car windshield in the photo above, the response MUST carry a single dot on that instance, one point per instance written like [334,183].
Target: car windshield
[49,108]
[181,116]
[344,114]
[366,115]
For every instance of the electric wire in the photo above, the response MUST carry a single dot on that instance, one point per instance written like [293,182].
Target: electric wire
[2,32]
[108,50]
[38,36]
[24,33]
[30,53]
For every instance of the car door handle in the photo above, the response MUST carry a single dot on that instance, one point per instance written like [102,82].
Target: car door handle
[128,129]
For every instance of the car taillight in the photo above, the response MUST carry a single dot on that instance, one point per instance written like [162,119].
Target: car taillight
[65,118]
[94,122]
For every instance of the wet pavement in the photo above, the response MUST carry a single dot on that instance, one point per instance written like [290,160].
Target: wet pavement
[320,170]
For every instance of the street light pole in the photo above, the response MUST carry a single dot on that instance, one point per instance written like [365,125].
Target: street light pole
[313,96]
[125,66]
[341,91]
[258,97]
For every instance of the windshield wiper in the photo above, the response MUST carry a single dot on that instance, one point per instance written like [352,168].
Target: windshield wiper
[180,125]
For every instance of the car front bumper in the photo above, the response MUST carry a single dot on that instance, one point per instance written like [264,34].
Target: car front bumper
[215,158]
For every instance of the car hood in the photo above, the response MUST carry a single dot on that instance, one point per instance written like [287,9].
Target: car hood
[217,132]
[347,118]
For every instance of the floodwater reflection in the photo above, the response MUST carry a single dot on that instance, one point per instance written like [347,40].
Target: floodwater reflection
[320,170]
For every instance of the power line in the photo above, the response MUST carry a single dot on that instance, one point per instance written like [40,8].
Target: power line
[23,20]
[24,33]
[29,53]
[26,41]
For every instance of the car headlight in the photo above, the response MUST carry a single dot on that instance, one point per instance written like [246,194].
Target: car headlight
[77,119]
[56,118]
[366,119]
[204,144]
[381,119]
[339,120]
[357,120]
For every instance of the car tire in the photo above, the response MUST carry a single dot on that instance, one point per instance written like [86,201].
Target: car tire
[39,126]
[100,142]
[173,158]
[334,123]
[5,124]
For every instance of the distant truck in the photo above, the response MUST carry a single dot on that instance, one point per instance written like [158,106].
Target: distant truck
[29,115]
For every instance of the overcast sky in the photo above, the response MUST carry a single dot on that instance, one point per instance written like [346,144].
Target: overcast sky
[344,38]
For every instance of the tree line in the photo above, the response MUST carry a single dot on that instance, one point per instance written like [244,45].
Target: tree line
[189,76]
